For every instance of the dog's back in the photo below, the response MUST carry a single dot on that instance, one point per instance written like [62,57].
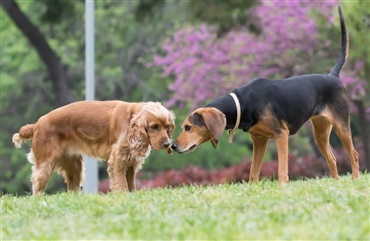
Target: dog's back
[76,116]
[81,127]
[294,100]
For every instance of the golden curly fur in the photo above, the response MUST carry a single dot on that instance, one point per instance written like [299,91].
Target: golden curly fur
[122,133]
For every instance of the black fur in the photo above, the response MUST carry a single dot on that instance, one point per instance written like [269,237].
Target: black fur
[293,100]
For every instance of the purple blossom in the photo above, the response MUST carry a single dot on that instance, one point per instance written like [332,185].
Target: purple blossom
[205,66]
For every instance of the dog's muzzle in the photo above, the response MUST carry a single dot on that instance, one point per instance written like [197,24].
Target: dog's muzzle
[175,147]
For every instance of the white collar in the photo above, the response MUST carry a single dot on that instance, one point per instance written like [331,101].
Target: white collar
[238,113]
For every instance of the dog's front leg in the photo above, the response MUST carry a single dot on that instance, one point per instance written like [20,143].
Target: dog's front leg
[130,176]
[117,175]
[117,171]
[259,149]
[282,148]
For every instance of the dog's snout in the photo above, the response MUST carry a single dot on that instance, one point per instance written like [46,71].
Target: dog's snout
[166,144]
[174,146]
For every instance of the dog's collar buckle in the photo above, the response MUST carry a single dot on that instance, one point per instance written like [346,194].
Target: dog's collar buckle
[238,114]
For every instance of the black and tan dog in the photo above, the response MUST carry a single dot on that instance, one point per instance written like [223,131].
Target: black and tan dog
[275,109]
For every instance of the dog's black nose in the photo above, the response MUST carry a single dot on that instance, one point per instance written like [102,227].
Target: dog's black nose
[166,144]
[174,146]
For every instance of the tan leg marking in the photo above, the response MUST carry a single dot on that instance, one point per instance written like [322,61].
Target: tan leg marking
[259,149]
[282,148]
[344,134]
[321,129]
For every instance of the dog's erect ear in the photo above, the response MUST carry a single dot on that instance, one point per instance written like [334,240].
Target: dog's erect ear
[137,136]
[215,122]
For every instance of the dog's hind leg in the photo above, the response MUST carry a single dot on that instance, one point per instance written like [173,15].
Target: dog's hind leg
[321,129]
[72,169]
[40,176]
[344,134]
[259,149]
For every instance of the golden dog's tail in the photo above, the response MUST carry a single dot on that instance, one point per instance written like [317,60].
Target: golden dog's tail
[25,133]
[344,49]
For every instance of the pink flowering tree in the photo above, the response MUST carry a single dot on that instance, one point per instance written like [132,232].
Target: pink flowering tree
[204,66]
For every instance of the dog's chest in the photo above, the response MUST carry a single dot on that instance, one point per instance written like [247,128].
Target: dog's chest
[148,151]
[267,126]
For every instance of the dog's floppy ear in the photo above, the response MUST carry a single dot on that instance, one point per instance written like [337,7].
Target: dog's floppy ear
[214,143]
[171,120]
[215,122]
[137,136]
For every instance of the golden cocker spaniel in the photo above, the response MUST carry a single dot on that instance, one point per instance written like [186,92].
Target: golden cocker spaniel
[122,133]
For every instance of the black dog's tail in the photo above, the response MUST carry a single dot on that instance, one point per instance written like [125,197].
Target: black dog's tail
[344,49]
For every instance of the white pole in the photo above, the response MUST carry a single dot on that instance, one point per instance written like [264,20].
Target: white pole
[90,184]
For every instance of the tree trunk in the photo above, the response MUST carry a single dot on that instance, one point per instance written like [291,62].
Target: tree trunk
[57,72]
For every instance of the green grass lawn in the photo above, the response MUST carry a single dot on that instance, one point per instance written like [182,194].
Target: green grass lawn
[310,210]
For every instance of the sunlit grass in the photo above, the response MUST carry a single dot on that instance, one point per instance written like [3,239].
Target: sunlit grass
[309,209]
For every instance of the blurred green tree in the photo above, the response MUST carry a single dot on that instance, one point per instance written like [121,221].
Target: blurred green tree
[126,34]
[30,87]
[356,74]
[359,16]
[56,69]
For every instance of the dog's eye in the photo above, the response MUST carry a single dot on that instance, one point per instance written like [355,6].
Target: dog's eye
[167,127]
[154,127]
[187,128]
